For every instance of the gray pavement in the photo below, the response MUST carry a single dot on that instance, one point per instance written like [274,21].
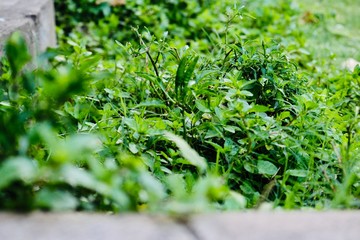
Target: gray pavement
[253,225]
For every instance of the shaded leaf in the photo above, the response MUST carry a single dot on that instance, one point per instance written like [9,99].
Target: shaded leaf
[55,200]
[16,168]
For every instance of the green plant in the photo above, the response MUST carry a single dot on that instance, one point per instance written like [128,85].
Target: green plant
[261,117]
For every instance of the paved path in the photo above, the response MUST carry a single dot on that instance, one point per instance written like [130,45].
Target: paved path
[34,18]
[247,225]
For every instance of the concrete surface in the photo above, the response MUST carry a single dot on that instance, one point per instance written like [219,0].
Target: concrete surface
[34,18]
[247,225]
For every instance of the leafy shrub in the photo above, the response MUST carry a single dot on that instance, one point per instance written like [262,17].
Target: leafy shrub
[49,163]
[69,13]
[98,126]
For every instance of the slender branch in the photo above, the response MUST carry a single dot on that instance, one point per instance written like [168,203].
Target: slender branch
[153,63]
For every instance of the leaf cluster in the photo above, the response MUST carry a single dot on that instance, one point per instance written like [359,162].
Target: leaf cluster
[194,107]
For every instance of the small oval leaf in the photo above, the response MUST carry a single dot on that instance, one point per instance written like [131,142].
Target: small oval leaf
[266,168]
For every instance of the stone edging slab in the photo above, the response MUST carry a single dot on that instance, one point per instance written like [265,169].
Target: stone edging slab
[35,19]
[223,226]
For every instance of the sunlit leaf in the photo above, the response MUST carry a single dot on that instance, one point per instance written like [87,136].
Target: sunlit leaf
[187,152]
[297,172]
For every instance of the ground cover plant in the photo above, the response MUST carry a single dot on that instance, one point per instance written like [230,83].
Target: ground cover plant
[181,107]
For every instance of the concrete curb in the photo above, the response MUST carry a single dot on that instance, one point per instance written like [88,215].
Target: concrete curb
[35,19]
[246,225]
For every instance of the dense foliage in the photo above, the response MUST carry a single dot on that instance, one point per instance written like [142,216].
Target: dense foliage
[178,106]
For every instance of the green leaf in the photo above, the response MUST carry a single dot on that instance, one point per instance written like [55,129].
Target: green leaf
[246,93]
[183,74]
[79,177]
[154,188]
[133,148]
[131,123]
[266,168]
[176,185]
[297,172]
[259,108]
[190,70]
[60,85]
[17,52]
[152,103]
[16,168]
[231,129]
[235,201]
[180,74]
[56,200]
[251,168]
[76,148]
[187,152]
[199,104]
[89,62]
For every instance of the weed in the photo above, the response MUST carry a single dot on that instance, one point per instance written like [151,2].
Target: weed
[195,107]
